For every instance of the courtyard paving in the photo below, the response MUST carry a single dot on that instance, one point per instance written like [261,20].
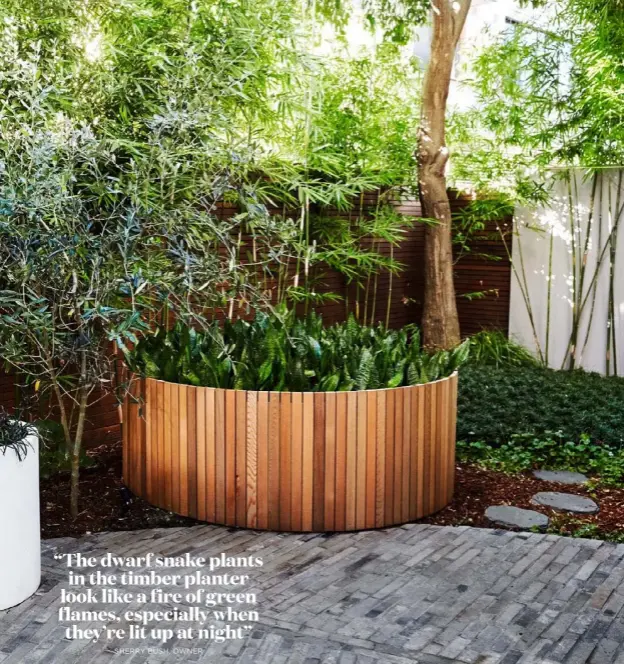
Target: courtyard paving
[417,593]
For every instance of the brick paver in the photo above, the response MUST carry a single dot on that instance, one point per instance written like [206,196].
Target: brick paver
[418,593]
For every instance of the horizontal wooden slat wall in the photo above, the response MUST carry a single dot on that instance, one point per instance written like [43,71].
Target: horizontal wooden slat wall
[472,274]
[291,461]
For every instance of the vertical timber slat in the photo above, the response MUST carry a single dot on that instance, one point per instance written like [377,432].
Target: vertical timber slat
[341,461]
[192,450]
[230,457]
[274,467]
[240,463]
[373,398]
[307,488]
[351,471]
[406,420]
[167,426]
[263,460]
[285,462]
[398,459]
[162,466]
[296,489]
[201,478]
[252,460]
[182,471]
[220,456]
[380,473]
[318,466]
[330,461]
[360,510]
[148,441]
[211,456]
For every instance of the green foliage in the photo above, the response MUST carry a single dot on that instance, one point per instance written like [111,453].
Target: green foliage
[13,434]
[188,105]
[501,144]
[561,524]
[397,19]
[365,120]
[111,168]
[494,403]
[281,352]
[550,94]
[550,452]
[54,454]
[342,243]
[493,348]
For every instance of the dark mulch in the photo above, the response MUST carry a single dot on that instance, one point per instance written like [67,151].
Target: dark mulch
[107,505]
[476,489]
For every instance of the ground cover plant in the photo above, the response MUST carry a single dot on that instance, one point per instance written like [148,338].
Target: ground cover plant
[496,403]
[523,452]
[282,352]
[539,418]
[571,527]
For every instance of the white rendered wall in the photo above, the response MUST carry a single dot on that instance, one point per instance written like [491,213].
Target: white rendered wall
[530,275]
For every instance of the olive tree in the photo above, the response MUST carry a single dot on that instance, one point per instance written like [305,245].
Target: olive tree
[103,231]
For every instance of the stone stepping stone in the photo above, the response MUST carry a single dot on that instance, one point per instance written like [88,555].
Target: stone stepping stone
[567,502]
[515,517]
[561,476]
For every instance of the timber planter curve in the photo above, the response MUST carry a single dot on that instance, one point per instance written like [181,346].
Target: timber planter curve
[292,461]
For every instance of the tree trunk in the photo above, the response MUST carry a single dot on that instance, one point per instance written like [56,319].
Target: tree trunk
[440,324]
[77,443]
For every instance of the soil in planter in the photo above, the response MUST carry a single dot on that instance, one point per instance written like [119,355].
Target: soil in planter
[107,505]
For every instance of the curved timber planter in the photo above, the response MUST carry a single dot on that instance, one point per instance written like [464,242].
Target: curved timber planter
[292,461]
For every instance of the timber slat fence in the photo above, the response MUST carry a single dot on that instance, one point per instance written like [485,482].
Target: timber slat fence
[472,273]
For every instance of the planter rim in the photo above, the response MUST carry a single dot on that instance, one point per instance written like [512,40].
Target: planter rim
[230,389]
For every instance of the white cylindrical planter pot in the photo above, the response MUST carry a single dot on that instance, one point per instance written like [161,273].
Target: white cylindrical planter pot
[20,536]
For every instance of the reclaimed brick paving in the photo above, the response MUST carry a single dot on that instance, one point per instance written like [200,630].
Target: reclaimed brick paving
[417,593]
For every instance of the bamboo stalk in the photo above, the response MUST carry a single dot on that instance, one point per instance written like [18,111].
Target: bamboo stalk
[601,259]
[358,286]
[389,302]
[578,282]
[619,212]
[599,245]
[523,285]
[611,342]
[374,305]
[549,297]
[368,283]
[374,246]
[575,319]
